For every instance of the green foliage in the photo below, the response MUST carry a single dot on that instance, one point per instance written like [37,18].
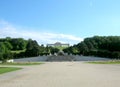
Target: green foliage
[48,50]
[54,50]
[32,48]
[14,43]
[18,43]
[60,48]
[8,45]
[102,46]
[71,50]
[19,48]
[5,53]
[42,49]
[18,51]
[2,47]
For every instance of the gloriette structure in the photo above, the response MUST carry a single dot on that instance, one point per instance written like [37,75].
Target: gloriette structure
[58,44]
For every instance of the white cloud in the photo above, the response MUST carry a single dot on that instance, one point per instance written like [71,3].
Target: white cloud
[8,30]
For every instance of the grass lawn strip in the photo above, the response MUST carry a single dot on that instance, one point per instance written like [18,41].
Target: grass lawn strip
[8,69]
[106,62]
[22,63]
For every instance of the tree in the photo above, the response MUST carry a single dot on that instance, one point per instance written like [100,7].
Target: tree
[83,48]
[42,49]
[18,43]
[102,46]
[22,44]
[54,50]
[32,48]
[8,45]
[5,53]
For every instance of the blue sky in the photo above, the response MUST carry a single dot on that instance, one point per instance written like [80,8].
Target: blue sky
[67,21]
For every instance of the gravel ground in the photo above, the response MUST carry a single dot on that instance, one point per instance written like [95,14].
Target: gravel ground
[63,74]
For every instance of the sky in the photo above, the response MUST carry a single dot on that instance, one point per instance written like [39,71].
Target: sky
[66,21]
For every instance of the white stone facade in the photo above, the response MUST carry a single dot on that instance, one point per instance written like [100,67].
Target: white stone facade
[58,44]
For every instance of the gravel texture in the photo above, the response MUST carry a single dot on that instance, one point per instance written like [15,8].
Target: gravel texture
[63,74]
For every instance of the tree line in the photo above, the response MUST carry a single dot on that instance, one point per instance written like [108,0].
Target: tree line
[19,47]
[101,46]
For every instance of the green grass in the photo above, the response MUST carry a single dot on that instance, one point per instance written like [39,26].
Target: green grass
[106,62]
[18,51]
[60,48]
[22,63]
[8,69]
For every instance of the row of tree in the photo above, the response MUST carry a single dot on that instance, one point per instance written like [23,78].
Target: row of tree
[102,46]
[15,43]
[33,49]
[19,47]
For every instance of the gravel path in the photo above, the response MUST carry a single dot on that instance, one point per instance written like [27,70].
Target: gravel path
[63,74]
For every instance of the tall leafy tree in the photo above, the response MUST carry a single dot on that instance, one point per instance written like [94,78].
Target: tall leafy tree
[5,53]
[32,48]
[18,43]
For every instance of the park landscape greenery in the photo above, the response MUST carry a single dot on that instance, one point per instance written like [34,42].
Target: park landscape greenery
[101,46]
[18,48]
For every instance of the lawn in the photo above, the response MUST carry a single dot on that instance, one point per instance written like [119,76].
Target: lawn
[22,63]
[8,69]
[18,51]
[60,48]
[106,62]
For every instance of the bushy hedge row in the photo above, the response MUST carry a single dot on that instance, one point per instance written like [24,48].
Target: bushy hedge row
[101,46]
[107,54]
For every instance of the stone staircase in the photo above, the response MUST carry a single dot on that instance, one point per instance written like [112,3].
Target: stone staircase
[60,58]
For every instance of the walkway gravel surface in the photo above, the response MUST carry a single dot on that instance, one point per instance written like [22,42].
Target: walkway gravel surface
[63,74]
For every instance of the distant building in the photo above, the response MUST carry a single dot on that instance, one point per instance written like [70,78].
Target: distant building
[58,44]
